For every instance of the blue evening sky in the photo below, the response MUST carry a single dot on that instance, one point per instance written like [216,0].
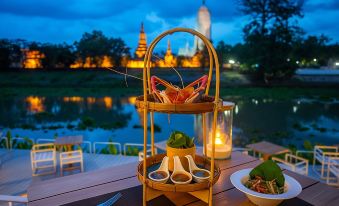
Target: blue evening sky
[66,20]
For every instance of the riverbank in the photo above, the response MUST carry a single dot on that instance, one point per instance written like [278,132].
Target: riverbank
[101,78]
[277,93]
[104,82]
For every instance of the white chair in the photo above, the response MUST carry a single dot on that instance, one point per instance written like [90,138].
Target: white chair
[322,155]
[71,158]
[293,163]
[43,157]
[333,168]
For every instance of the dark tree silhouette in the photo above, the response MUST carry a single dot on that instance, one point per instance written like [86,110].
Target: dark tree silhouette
[270,35]
[9,53]
[57,55]
[96,44]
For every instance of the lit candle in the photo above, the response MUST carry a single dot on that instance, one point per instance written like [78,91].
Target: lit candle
[222,150]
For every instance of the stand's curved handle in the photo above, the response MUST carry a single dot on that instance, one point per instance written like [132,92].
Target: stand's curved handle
[212,56]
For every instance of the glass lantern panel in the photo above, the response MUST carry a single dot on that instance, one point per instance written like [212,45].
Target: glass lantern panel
[223,133]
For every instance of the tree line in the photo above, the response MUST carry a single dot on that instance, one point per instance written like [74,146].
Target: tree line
[273,47]
[92,45]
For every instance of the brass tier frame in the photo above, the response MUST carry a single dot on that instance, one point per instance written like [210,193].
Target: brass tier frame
[209,106]
[156,159]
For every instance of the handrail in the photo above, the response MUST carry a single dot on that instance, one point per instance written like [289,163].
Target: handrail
[295,157]
[284,162]
[106,143]
[89,145]
[44,140]
[38,141]
[22,139]
[134,144]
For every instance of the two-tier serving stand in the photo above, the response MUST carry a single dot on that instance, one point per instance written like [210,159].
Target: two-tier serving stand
[148,105]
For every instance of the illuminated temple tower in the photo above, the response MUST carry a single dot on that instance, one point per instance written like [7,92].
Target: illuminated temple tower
[32,59]
[204,25]
[142,44]
[140,52]
[169,59]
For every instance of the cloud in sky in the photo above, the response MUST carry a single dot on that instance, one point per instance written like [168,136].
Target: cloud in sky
[66,20]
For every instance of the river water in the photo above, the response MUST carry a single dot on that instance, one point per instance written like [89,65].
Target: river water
[103,118]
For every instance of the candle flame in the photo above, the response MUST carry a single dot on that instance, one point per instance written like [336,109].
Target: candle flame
[217,135]
[218,140]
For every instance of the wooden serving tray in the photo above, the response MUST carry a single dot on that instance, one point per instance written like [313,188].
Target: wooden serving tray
[206,104]
[170,187]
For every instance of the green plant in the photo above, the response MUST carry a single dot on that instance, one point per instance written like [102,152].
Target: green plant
[309,147]
[25,144]
[180,140]
[132,151]
[3,143]
[9,136]
[110,149]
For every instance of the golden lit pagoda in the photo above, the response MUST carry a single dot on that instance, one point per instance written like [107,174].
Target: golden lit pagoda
[35,104]
[142,44]
[140,52]
[32,59]
[194,61]
[169,60]
[103,61]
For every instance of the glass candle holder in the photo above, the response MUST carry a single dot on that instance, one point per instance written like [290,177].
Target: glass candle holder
[223,133]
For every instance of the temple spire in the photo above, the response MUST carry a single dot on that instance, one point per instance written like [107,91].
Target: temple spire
[142,44]
[203,2]
[168,45]
[142,27]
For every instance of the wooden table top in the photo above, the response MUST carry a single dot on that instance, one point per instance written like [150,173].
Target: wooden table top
[68,140]
[92,188]
[267,148]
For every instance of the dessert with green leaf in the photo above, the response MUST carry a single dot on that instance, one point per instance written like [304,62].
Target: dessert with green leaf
[266,178]
[180,140]
[179,144]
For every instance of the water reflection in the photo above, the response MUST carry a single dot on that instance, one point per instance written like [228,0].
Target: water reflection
[236,110]
[295,109]
[35,104]
[108,102]
[90,100]
[73,99]
[282,122]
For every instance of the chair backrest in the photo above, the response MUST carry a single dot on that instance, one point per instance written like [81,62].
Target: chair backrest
[284,164]
[46,146]
[71,154]
[295,158]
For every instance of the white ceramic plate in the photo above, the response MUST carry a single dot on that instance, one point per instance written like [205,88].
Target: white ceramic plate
[292,188]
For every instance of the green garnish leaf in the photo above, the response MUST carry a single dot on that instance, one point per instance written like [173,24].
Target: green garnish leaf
[180,140]
[268,171]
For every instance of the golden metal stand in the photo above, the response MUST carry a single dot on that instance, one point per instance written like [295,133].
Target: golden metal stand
[149,193]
